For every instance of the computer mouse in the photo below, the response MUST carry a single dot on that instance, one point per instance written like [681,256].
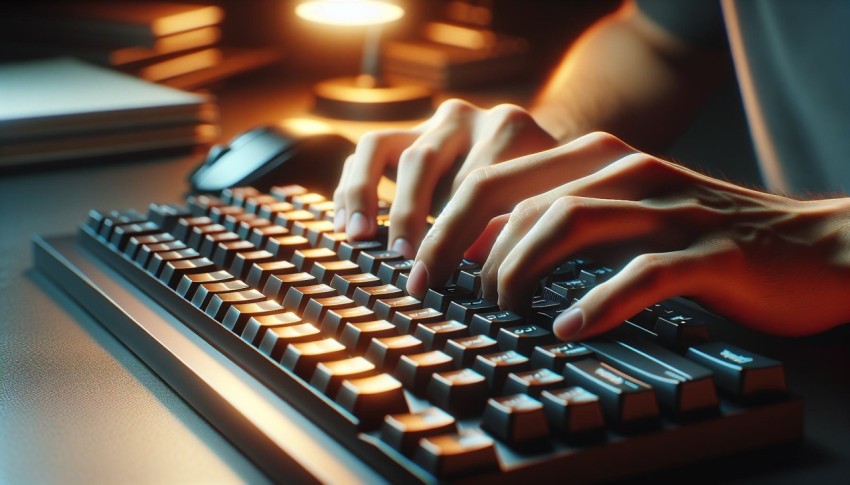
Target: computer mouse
[304,152]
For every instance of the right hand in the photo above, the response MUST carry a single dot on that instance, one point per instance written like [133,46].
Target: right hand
[429,163]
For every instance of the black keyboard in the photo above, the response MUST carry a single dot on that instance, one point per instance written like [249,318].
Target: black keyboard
[250,306]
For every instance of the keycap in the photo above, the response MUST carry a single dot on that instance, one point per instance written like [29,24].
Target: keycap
[457,454]
[237,195]
[679,331]
[335,319]
[595,274]
[288,219]
[463,393]
[739,372]
[385,352]
[389,271]
[283,247]
[303,259]
[297,297]
[566,291]
[237,315]
[624,399]
[305,200]
[242,261]
[463,310]
[200,205]
[277,286]
[312,230]
[514,419]
[532,382]
[369,261]
[357,336]
[255,202]
[278,338]
[523,338]
[489,323]
[316,308]
[167,215]
[681,385]
[408,321]
[158,259]
[190,283]
[372,398]
[146,251]
[346,284]
[647,317]
[325,271]
[329,376]
[287,192]
[122,233]
[132,247]
[403,431]
[219,214]
[572,410]
[435,335]
[470,279]
[332,240]
[205,291]
[242,223]
[271,210]
[464,350]
[415,370]
[260,272]
[555,356]
[302,358]
[368,295]
[226,251]
[260,235]
[220,303]
[351,250]
[320,209]
[386,308]
[199,233]
[257,326]
[496,367]
[173,271]
[185,225]
[442,298]
[211,242]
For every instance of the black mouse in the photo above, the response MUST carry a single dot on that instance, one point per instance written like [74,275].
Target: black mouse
[303,152]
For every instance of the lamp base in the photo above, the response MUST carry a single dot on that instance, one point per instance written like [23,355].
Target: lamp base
[348,98]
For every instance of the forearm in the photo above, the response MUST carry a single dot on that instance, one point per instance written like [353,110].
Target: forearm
[628,77]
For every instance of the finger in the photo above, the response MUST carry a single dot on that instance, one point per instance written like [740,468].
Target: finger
[339,196]
[374,152]
[482,246]
[503,132]
[648,279]
[420,167]
[491,191]
[569,226]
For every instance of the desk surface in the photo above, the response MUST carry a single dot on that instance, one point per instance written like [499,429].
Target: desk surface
[78,406]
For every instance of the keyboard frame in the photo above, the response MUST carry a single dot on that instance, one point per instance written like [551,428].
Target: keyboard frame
[302,440]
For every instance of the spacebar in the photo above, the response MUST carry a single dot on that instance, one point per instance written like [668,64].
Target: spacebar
[682,386]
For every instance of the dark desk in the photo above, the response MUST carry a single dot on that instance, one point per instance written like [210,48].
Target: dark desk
[77,406]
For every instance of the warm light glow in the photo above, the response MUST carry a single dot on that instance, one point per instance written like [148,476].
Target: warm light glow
[349,12]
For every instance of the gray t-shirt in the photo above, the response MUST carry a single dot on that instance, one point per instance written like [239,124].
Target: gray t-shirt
[792,58]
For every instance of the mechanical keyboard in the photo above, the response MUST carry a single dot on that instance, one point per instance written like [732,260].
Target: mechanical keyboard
[255,310]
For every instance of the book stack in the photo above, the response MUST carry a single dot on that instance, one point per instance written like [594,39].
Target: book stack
[55,111]
[452,56]
[171,43]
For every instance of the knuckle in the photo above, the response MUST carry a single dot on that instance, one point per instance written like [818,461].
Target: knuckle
[569,207]
[642,163]
[417,154]
[509,115]
[455,106]
[479,183]
[525,210]
[370,141]
[604,140]
[651,269]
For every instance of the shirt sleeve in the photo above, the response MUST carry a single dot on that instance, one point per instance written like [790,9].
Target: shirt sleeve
[698,23]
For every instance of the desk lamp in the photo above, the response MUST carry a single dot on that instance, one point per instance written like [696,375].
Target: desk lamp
[366,96]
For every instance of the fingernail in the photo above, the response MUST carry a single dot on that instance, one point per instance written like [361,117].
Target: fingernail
[569,324]
[405,248]
[339,220]
[417,282]
[358,225]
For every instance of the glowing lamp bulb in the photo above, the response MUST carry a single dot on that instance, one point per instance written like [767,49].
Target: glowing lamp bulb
[349,12]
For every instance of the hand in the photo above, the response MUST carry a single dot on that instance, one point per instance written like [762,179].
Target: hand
[773,263]
[458,139]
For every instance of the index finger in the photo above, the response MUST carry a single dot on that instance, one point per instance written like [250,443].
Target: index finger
[495,190]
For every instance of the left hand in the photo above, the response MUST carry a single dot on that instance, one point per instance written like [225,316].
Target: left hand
[773,263]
